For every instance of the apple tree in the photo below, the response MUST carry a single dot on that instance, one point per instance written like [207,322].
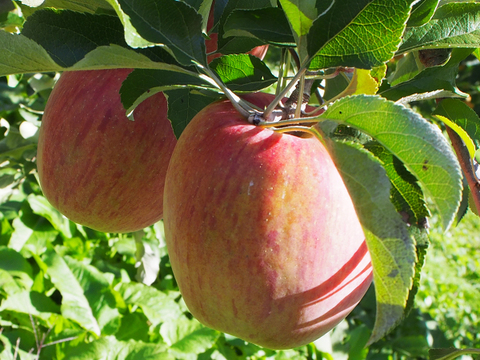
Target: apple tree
[374,81]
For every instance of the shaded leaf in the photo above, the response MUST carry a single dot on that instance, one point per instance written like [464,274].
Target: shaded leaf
[422,12]
[143,83]
[76,34]
[183,105]
[450,354]
[238,44]
[462,115]
[89,6]
[268,25]
[432,80]
[390,246]
[407,196]
[26,56]
[169,22]
[419,145]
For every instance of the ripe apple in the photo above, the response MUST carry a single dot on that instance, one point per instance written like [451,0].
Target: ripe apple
[262,235]
[96,166]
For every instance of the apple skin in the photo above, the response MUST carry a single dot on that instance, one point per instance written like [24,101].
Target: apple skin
[262,235]
[96,166]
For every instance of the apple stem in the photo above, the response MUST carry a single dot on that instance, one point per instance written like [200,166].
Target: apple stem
[267,114]
[244,108]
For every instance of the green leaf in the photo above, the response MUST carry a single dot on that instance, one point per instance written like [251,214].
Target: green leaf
[86,294]
[390,246]
[462,115]
[187,338]
[156,305]
[32,233]
[183,105]
[31,303]
[16,272]
[450,354]
[268,25]
[169,22]
[42,207]
[76,34]
[243,72]
[26,56]
[300,15]
[406,194]
[355,33]
[143,83]
[453,25]
[438,80]
[468,142]
[89,6]
[109,348]
[238,44]
[419,145]
[422,12]
[405,69]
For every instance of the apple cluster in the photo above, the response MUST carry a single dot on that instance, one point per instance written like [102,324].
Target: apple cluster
[262,235]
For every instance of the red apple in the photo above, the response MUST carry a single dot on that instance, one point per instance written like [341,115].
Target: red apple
[263,238]
[96,166]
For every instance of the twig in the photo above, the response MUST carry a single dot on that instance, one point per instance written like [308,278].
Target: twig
[60,341]
[34,330]
[17,347]
[466,165]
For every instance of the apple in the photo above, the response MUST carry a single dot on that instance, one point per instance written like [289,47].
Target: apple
[96,166]
[263,238]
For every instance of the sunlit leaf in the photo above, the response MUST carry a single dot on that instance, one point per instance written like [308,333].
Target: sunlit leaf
[156,305]
[110,348]
[357,33]
[419,145]
[86,297]
[453,25]
[243,72]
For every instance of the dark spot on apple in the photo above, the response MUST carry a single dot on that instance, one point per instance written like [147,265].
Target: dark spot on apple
[340,112]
